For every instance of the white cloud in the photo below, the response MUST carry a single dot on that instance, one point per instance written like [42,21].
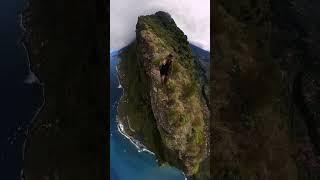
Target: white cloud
[192,16]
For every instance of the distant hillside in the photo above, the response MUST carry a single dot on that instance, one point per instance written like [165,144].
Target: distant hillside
[200,53]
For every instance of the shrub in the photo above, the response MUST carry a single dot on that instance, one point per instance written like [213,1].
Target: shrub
[190,89]
[198,138]
[184,119]
[171,87]
[173,115]
[156,62]
[175,68]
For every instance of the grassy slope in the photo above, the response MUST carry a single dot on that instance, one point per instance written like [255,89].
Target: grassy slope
[184,109]
[185,116]
[135,105]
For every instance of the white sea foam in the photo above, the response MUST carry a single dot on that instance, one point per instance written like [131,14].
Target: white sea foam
[35,79]
[140,147]
[21,23]
[31,79]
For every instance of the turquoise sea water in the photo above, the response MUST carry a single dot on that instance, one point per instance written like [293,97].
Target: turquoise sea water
[127,162]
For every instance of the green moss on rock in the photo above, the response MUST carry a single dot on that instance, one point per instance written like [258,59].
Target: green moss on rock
[176,110]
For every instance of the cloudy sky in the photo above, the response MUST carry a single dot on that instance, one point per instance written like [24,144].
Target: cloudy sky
[192,16]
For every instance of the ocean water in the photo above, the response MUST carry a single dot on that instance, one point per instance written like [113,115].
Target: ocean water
[127,162]
[19,97]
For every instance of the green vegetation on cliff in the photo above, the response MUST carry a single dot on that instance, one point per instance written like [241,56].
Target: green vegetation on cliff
[170,37]
[135,108]
[175,113]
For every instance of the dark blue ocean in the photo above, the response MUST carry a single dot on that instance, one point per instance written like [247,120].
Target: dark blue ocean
[126,162]
[19,97]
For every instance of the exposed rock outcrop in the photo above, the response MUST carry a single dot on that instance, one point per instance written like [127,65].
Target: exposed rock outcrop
[177,108]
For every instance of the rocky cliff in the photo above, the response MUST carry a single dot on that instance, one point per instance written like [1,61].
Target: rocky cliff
[170,119]
[264,89]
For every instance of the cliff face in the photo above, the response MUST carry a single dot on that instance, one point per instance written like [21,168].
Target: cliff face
[67,49]
[295,44]
[263,127]
[177,109]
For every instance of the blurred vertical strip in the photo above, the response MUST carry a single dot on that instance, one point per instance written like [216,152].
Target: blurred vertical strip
[68,42]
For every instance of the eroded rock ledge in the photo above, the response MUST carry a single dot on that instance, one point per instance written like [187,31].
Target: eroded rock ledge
[176,112]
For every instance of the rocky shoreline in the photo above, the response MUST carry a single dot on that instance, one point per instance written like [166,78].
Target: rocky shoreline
[124,123]
[163,126]
[126,129]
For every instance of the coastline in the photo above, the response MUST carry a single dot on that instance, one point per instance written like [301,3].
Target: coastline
[124,126]
[62,48]
[129,133]
[137,134]
[122,115]
[25,42]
